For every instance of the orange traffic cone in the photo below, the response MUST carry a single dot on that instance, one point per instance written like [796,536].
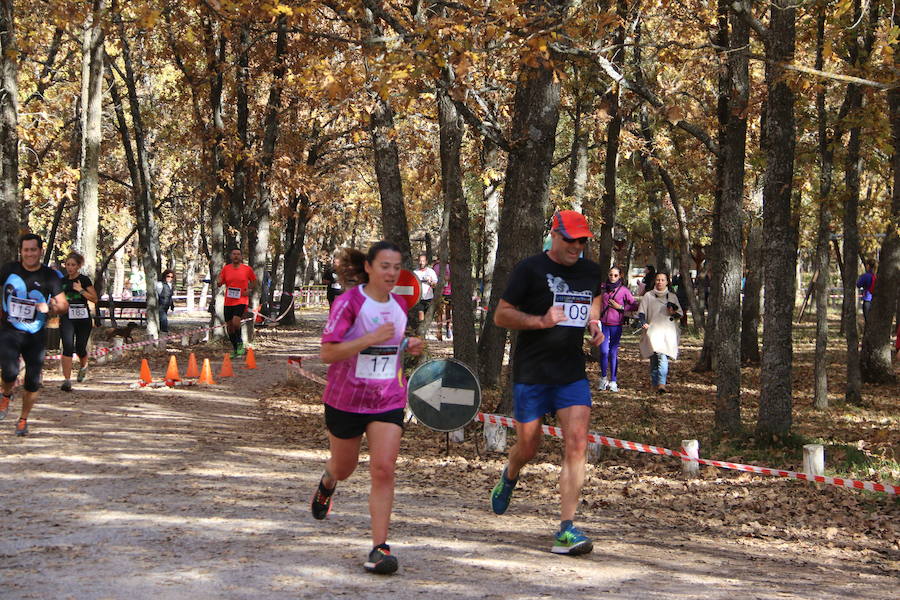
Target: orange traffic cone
[250,360]
[206,373]
[145,372]
[192,371]
[172,371]
[226,368]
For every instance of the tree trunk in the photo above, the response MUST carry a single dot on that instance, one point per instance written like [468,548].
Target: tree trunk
[294,238]
[450,121]
[853,392]
[611,161]
[578,161]
[92,136]
[684,250]
[875,358]
[775,401]
[9,134]
[491,195]
[390,185]
[823,254]
[148,232]
[525,196]
[261,224]
[752,287]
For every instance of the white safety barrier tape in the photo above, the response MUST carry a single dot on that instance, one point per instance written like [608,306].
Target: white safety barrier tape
[682,454]
[102,351]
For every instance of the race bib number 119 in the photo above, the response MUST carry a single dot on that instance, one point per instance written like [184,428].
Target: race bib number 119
[576,307]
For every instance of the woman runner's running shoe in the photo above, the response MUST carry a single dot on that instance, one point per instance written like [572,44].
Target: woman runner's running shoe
[22,427]
[572,541]
[380,560]
[321,501]
[82,373]
[4,406]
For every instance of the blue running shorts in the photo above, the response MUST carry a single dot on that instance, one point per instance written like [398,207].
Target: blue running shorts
[534,400]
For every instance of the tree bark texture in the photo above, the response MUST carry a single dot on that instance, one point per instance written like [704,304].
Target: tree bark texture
[91,137]
[753,267]
[727,347]
[525,196]
[261,224]
[853,392]
[9,134]
[823,233]
[386,158]
[465,347]
[611,162]
[684,249]
[148,231]
[491,195]
[875,357]
[775,402]
[294,238]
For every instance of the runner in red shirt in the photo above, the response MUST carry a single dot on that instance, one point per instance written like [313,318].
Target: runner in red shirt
[238,280]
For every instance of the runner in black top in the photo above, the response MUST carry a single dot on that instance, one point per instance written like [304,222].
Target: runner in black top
[75,324]
[31,292]
[550,299]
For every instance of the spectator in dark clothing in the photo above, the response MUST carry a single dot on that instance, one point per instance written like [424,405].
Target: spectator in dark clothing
[649,278]
[165,295]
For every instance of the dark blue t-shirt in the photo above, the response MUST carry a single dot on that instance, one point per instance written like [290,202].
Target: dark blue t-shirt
[555,355]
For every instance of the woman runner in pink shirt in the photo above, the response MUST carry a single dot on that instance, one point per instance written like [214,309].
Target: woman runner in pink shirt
[363,342]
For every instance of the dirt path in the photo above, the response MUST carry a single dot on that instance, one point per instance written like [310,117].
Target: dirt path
[195,493]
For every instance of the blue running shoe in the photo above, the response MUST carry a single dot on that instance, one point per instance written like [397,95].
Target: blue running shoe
[502,493]
[572,541]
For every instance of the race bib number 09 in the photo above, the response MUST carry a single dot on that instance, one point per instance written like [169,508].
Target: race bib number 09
[377,362]
[232,292]
[78,311]
[577,307]
[22,308]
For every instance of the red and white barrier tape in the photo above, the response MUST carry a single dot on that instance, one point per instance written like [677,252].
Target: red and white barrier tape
[295,363]
[639,447]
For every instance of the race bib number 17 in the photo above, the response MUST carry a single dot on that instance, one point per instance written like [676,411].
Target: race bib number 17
[576,306]
[377,362]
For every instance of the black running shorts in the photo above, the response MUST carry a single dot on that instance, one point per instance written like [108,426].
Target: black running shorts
[349,425]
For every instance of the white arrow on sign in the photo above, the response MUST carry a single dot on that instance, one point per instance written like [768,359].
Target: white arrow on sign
[434,394]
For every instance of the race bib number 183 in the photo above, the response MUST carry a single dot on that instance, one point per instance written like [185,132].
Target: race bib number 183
[576,306]
[377,362]
[78,311]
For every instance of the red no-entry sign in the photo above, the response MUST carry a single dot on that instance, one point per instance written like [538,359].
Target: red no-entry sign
[408,287]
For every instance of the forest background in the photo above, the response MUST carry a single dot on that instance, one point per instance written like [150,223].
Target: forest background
[759,140]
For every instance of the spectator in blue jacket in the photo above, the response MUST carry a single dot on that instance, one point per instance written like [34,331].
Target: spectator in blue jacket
[866,283]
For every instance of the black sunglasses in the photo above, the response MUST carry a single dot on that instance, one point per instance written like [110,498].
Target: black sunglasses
[581,240]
